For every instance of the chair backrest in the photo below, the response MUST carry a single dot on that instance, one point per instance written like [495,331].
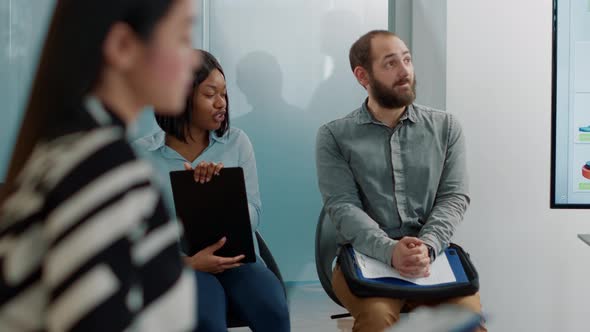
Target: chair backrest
[326,246]
[268,259]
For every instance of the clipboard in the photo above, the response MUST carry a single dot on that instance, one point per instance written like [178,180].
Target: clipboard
[452,257]
[467,284]
[209,211]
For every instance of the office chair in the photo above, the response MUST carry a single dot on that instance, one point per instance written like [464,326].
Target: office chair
[232,320]
[326,245]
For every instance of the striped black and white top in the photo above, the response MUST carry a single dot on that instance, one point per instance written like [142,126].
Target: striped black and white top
[86,243]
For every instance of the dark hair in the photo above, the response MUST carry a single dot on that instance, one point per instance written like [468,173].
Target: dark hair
[360,51]
[177,126]
[71,64]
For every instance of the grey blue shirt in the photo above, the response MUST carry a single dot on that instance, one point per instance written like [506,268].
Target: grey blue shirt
[233,149]
[379,183]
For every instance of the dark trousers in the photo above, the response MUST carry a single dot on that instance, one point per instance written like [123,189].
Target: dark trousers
[251,292]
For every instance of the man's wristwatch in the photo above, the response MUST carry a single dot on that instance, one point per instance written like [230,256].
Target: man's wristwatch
[430,253]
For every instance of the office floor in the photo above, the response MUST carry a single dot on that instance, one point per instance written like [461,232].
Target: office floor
[311,309]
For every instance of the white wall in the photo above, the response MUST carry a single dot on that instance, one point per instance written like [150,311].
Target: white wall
[535,273]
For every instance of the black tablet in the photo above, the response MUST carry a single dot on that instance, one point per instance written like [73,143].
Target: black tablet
[212,210]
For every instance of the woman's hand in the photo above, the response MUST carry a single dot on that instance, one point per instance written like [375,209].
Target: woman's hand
[206,261]
[204,170]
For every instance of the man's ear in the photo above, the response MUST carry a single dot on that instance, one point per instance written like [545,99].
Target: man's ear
[362,76]
[121,47]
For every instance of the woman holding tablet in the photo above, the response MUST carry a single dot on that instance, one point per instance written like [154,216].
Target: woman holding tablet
[201,139]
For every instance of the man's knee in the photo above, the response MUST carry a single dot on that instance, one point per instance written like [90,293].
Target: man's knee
[471,302]
[376,316]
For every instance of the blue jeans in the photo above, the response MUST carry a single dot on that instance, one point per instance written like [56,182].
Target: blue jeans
[251,292]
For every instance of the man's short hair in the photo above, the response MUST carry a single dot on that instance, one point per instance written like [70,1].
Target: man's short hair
[360,51]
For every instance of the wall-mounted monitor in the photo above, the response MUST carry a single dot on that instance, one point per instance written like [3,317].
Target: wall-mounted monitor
[570,151]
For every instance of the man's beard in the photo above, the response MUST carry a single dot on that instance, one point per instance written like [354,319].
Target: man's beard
[386,97]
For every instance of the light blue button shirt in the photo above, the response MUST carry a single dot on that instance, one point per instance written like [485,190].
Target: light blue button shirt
[233,149]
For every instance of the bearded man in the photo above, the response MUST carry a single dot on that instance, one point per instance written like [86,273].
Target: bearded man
[393,178]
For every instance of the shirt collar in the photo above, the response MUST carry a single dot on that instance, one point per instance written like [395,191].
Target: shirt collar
[213,137]
[157,140]
[102,114]
[410,114]
[366,117]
